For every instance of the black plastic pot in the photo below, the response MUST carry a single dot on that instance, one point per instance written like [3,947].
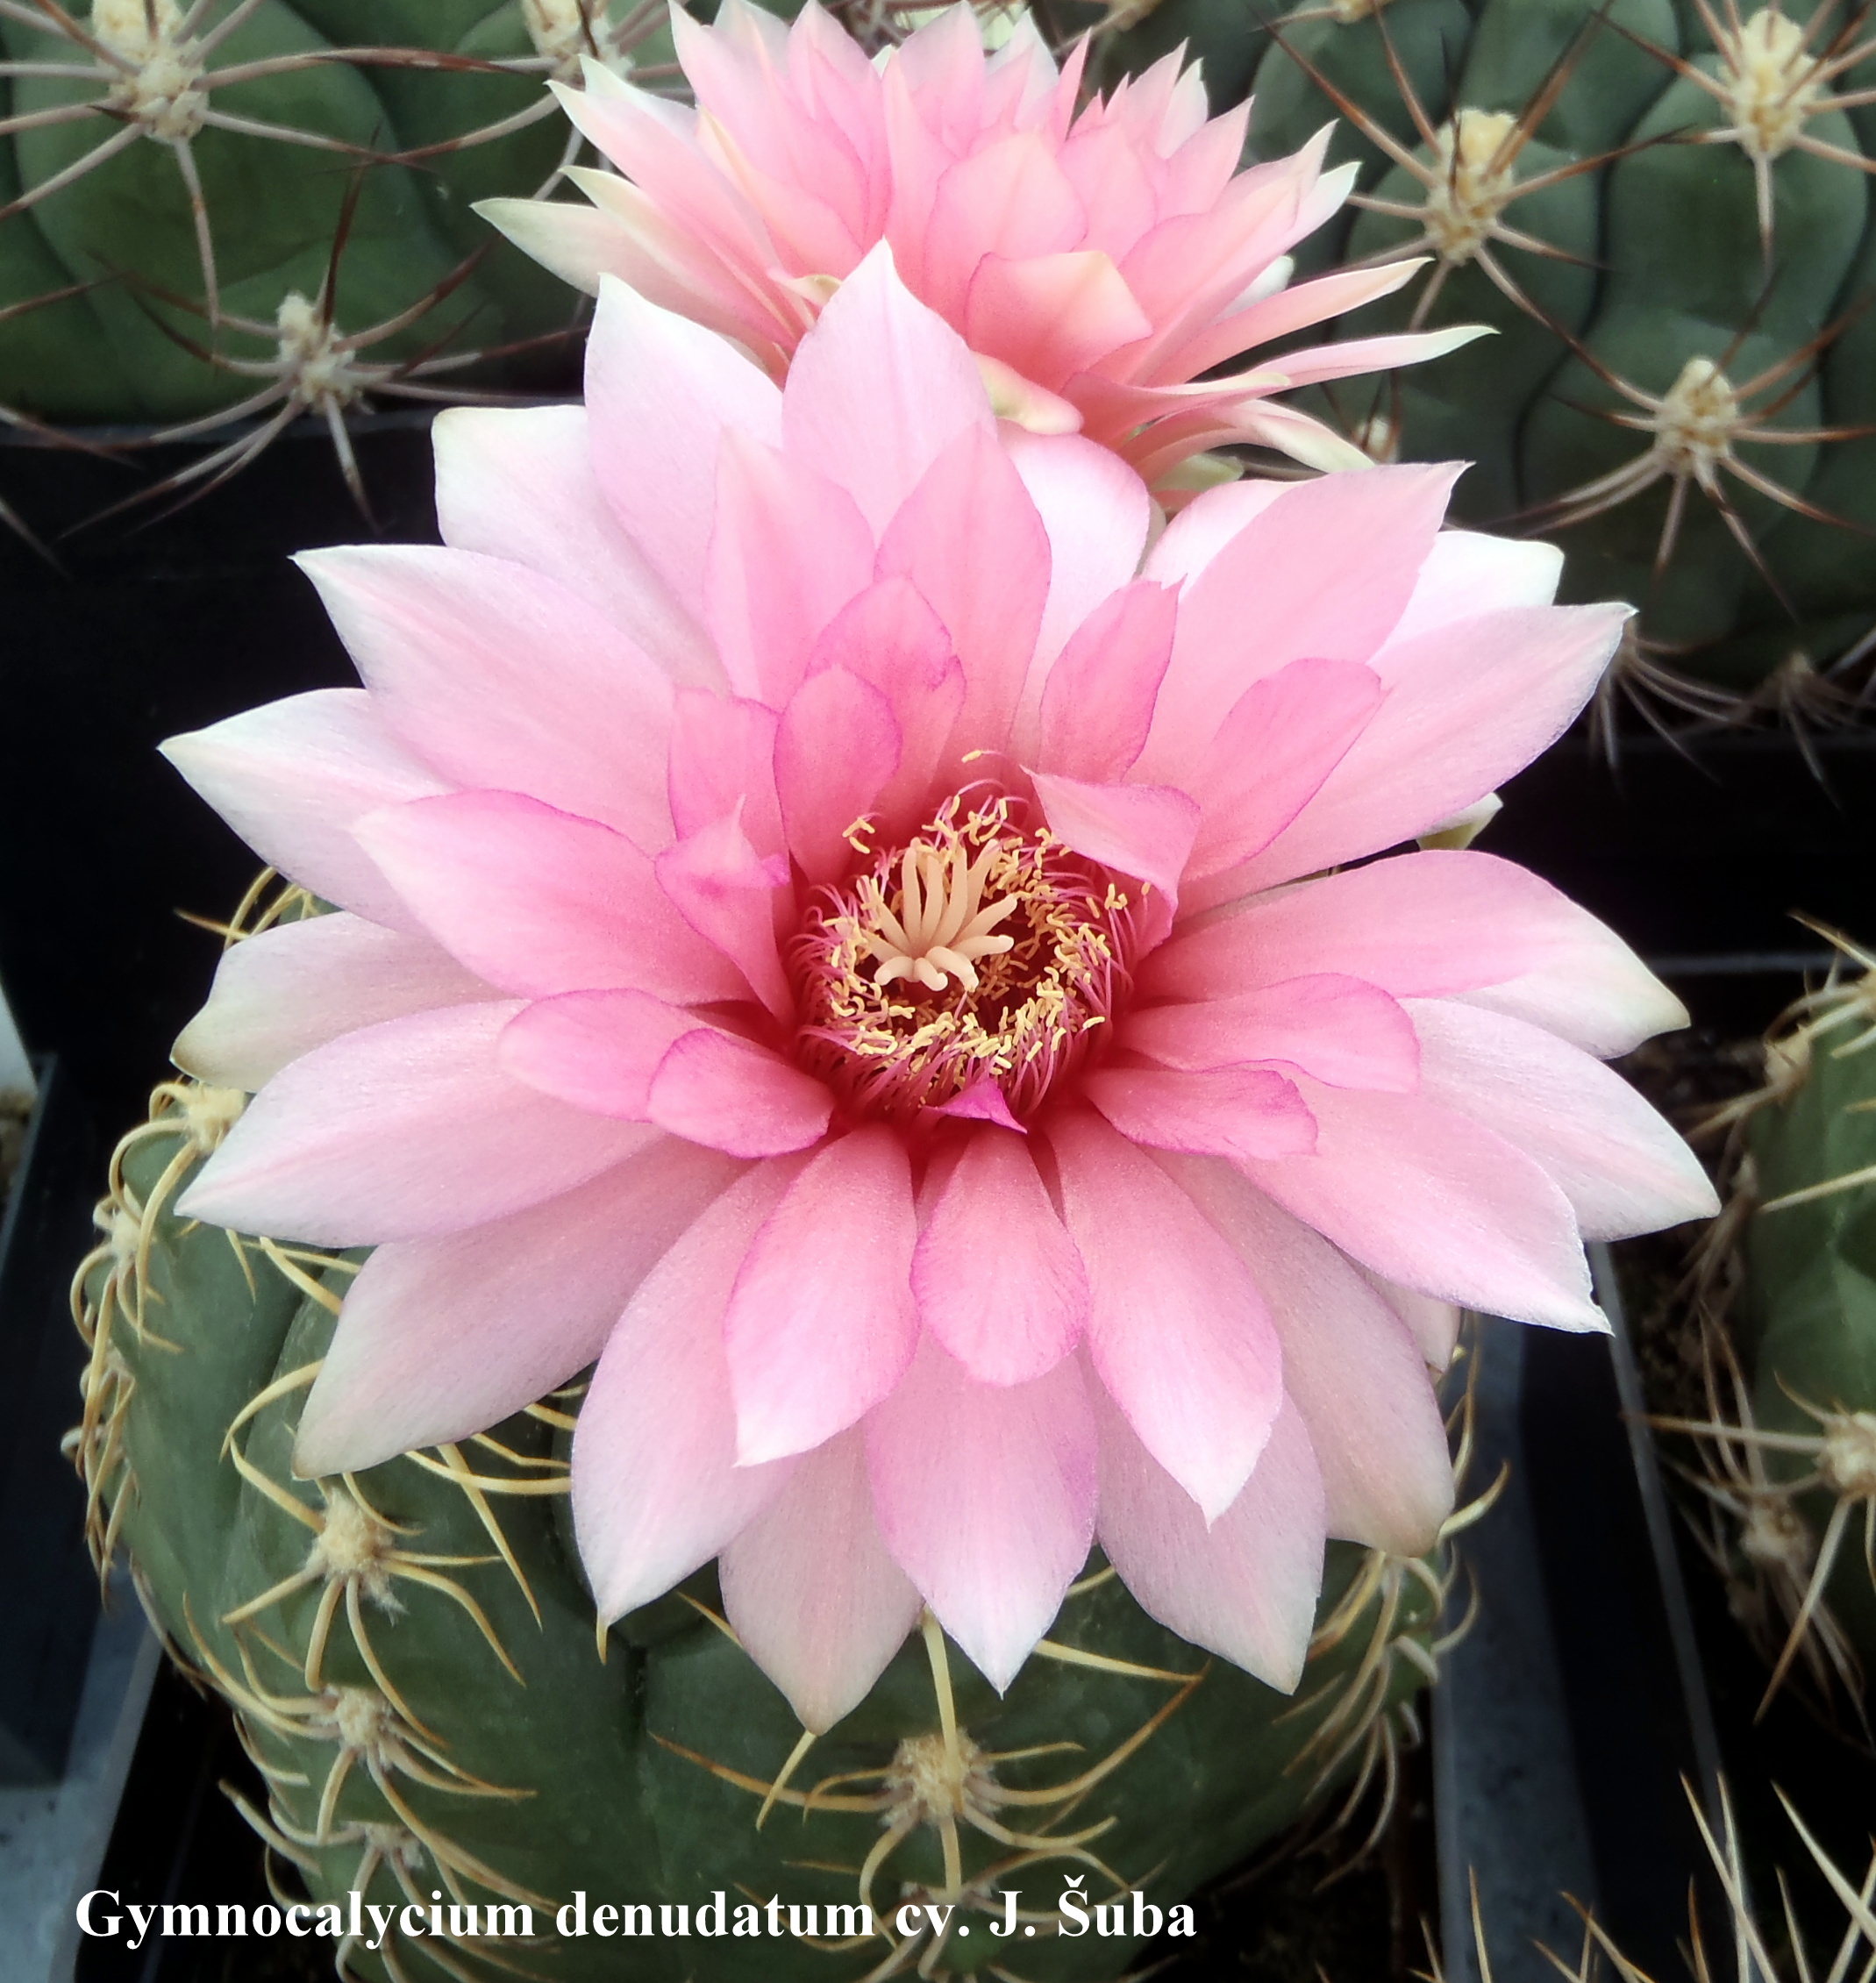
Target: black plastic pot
[45,1624]
[1699,854]
[150,630]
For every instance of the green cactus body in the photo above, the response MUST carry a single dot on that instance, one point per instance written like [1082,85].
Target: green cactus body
[1651,269]
[411,1655]
[1808,1320]
[126,224]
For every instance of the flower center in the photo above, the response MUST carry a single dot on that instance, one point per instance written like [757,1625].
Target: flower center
[984,950]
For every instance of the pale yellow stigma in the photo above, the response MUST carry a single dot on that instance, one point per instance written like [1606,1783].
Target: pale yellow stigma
[943,925]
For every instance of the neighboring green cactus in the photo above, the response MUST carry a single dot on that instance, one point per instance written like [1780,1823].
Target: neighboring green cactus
[1786,1282]
[282,117]
[411,1655]
[1680,191]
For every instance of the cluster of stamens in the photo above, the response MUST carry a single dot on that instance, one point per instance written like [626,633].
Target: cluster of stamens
[998,955]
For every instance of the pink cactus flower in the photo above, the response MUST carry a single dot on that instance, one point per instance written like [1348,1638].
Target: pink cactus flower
[829,933]
[1096,264]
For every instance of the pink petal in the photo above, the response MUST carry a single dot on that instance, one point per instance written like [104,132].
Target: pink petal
[1285,588]
[783,152]
[723,761]
[517,482]
[496,676]
[971,540]
[597,1049]
[661,391]
[625,234]
[403,1131]
[1622,1167]
[1433,1325]
[295,986]
[1427,1198]
[441,1339]
[1467,573]
[1009,198]
[1146,831]
[1221,1112]
[889,636]
[1283,738]
[536,902]
[985,1494]
[725,890]
[821,1323]
[1336,1028]
[1346,358]
[1262,423]
[1244,1586]
[1052,316]
[1097,511]
[734,1095]
[879,390]
[1097,703]
[1289,310]
[1434,924]
[1467,706]
[982,1101]
[1178,1332]
[818,1602]
[1202,529]
[1350,1365]
[999,1282]
[290,777]
[657,1489]
[789,550]
[835,752]
[655,143]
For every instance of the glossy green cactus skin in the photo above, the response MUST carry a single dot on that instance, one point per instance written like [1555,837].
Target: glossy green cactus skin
[127,225]
[1667,266]
[621,1777]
